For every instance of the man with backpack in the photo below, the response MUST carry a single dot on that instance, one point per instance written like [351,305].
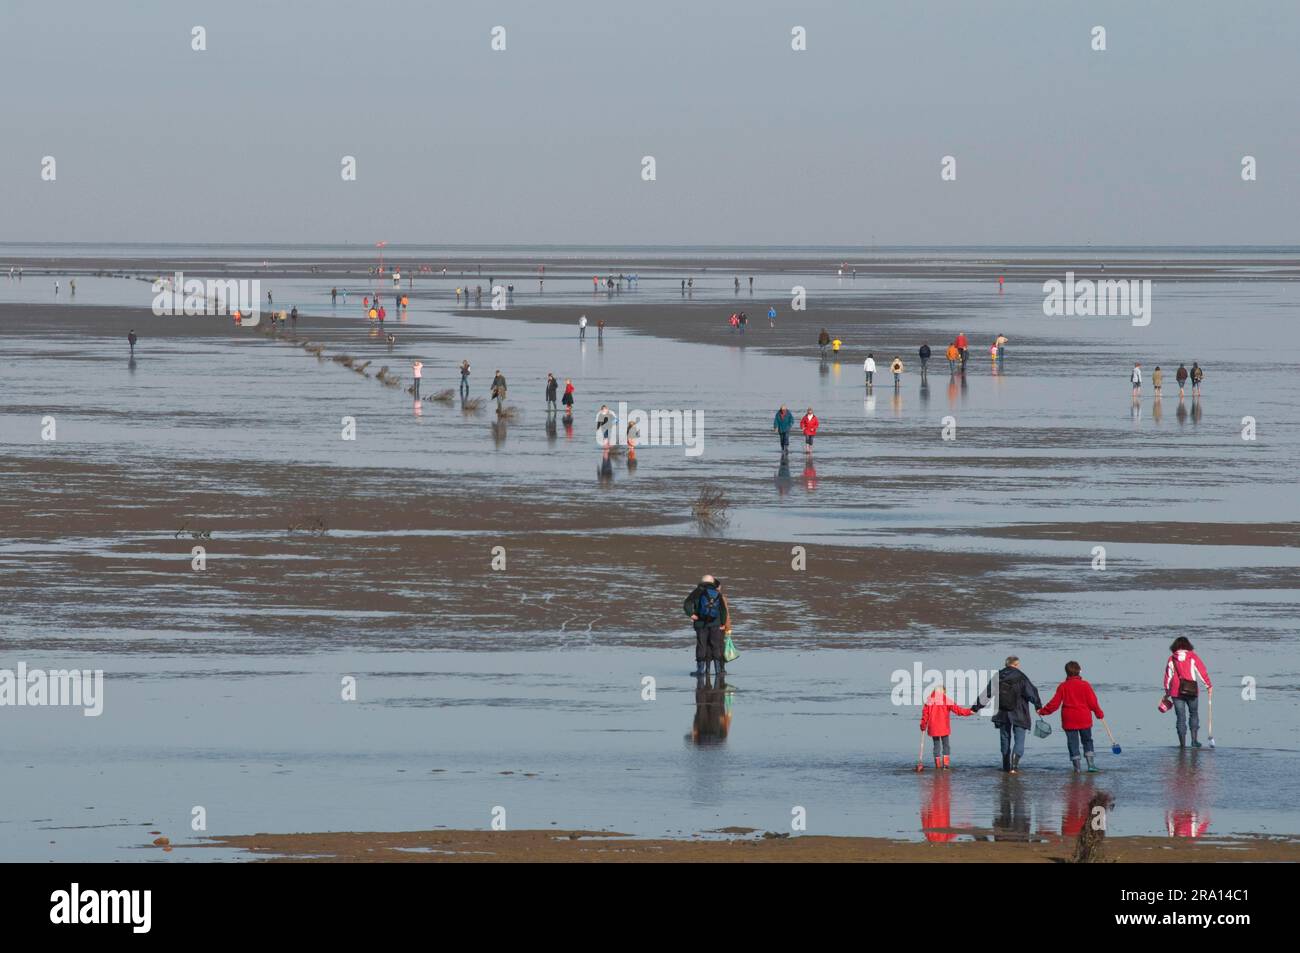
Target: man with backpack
[1015,693]
[708,611]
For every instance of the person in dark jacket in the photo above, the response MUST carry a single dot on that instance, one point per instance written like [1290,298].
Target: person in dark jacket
[782,423]
[131,339]
[708,611]
[552,386]
[924,354]
[1012,692]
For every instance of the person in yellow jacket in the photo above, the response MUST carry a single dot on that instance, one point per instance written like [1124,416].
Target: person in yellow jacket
[897,368]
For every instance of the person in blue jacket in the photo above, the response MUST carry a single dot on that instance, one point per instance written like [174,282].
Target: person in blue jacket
[781,423]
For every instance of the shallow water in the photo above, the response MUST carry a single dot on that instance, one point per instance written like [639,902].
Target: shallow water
[1052,437]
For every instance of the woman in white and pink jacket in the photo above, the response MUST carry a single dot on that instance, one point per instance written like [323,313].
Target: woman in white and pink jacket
[1182,672]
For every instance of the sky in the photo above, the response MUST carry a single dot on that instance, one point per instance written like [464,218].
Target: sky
[754,143]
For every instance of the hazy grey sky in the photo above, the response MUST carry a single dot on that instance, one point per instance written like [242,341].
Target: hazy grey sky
[754,143]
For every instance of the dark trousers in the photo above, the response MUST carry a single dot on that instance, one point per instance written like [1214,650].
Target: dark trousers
[417,388]
[708,642]
[785,440]
[1074,736]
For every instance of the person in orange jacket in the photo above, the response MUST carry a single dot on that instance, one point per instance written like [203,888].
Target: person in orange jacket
[934,719]
[1078,703]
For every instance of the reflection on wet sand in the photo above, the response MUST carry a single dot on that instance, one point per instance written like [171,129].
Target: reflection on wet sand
[713,704]
[1185,779]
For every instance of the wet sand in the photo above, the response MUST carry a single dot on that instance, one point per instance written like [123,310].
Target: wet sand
[560,846]
[322,553]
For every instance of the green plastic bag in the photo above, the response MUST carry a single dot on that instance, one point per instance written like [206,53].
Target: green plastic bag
[729,653]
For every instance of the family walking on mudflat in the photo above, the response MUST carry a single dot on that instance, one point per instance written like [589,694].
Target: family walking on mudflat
[1010,692]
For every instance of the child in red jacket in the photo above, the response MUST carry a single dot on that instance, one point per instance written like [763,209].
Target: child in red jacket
[934,718]
[1078,703]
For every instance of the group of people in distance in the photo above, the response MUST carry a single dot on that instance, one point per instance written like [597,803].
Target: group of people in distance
[1181,376]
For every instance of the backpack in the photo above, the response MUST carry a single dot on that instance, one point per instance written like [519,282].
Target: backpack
[710,605]
[1008,694]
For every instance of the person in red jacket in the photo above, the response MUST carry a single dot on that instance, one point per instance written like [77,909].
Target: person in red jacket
[1182,671]
[1078,703]
[934,719]
[809,425]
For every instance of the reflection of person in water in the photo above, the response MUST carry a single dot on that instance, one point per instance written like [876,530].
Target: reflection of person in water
[712,715]
[783,479]
[605,470]
[936,811]
[1186,815]
[1075,806]
[809,477]
[1012,820]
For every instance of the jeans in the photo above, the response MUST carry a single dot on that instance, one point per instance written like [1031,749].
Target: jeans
[1072,739]
[940,744]
[417,388]
[870,376]
[582,334]
[1005,733]
[464,385]
[785,440]
[952,367]
[1183,708]
[924,361]
[550,405]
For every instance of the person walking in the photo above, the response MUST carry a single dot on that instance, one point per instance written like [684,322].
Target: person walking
[897,368]
[709,615]
[1197,374]
[417,369]
[809,424]
[582,328]
[1078,703]
[464,378]
[771,316]
[782,423]
[835,347]
[869,369]
[1157,378]
[823,342]
[605,421]
[131,339]
[552,385]
[1015,693]
[1000,343]
[962,347]
[924,355]
[1181,377]
[499,389]
[935,720]
[1182,672]
[1136,378]
[567,399]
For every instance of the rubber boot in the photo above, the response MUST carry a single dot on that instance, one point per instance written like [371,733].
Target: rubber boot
[1015,764]
[1075,762]
[701,668]
[1006,762]
[720,667]
[946,763]
[938,764]
[1092,764]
